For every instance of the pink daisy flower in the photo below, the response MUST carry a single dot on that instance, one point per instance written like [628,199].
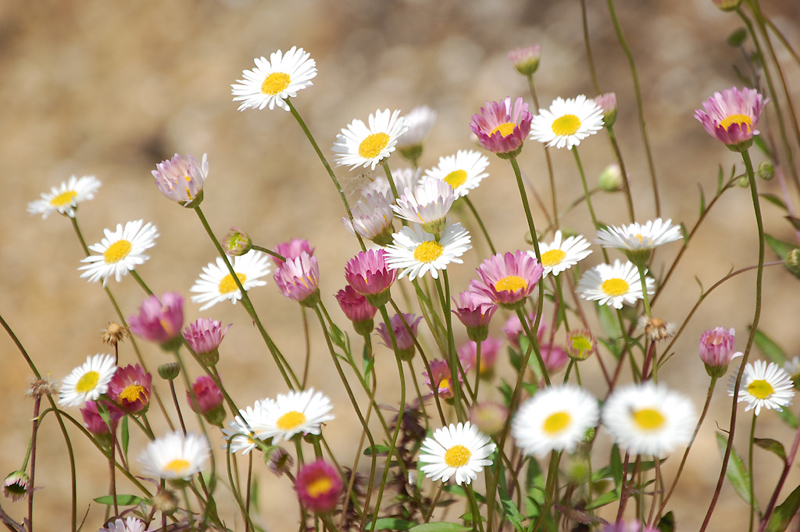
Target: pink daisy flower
[298,279]
[508,279]
[319,486]
[501,128]
[369,275]
[732,116]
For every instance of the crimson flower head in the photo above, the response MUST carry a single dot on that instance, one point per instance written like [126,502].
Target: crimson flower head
[291,250]
[209,400]
[319,486]
[369,275]
[509,279]
[130,388]
[95,423]
[357,309]
[501,128]
[159,320]
[732,116]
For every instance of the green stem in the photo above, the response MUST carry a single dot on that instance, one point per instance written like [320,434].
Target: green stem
[645,297]
[524,196]
[388,172]
[269,252]
[534,342]
[750,471]
[588,46]
[547,158]
[480,224]
[625,182]
[452,357]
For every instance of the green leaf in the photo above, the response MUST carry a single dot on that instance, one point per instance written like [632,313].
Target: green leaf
[737,37]
[780,248]
[368,364]
[667,523]
[611,328]
[511,511]
[615,463]
[122,500]
[783,514]
[126,436]
[720,181]
[788,417]
[440,527]
[775,200]
[377,449]
[772,446]
[702,200]
[761,145]
[794,221]
[684,233]
[736,472]
[602,500]
[770,348]
[455,489]
[391,523]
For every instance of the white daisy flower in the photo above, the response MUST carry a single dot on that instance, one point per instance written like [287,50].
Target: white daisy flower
[359,145]
[294,413]
[274,81]
[562,255]
[567,122]
[420,121]
[120,251]
[216,283]
[372,215]
[462,171]
[635,237]
[418,252]
[764,386]
[88,381]
[555,419]
[458,450]
[613,285]
[175,456]
[649,419]
[248,426]
[64,199]
[427,204]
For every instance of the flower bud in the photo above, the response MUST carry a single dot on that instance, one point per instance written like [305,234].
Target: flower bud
[488,417]
[526,59]
[716,350]
[581,344]
[169,371]
[237,242]
[727,5]
[610,179]
[765,170]
[793,261]
[608,102]
[16,485]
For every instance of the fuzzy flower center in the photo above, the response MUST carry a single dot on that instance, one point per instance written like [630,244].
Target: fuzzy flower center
[117,251]
[510,283]
[291,420]
[566,125]
[87,382]
[648,418]
[457,456]
[228,285]
[444,384]
[504,129]
[744,122]
[553,257]
[428,251]
[132,393]
[580,344]
[177,466]
[760,389]
[456,178]
[65,198]
[319,486]
[373,145]
[557,422]
[275,83]
[615,287]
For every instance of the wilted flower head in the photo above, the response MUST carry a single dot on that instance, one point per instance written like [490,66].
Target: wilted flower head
[319,486]
[732,116]
[130,388]
[181,179]
[501,128]
[656,329]
[280,461]
[404,338]
[159,320]
[16,485]
[114,333]
[526,59]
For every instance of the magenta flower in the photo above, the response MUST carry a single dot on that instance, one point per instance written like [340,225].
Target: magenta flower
[475,310]
[357,309]
[95,423]
[181,179]
[405,341]
[159,321]
[440,378]
[292,250]
[468,354]
[319,486]
[508,279]
[368,274]
[554,357]
[732,116]
[130,388]
[298,279]
[513,328]
[526,59]
[501,128]
[209,400]
[717,350]
[204,337]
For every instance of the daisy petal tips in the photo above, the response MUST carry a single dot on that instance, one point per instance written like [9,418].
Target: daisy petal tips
[65,198]
[272,82]
[359,145]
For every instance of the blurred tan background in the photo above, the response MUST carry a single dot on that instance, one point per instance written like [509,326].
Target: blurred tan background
[112,88]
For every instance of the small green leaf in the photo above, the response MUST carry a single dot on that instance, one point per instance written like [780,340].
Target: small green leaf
[770,348]
[772,446]
[615,463]
[775,200]
[368,364]
[126,436]
[511,511]
[391,523]
[761,145]
[602,500]
[720,181]
[377,449]
[780,248]
[122,500]
[788,417]
[667,523]
[783,514]
[737,37]
[440,527]
[794,221]
[685,234]
[702,200]
[736,472]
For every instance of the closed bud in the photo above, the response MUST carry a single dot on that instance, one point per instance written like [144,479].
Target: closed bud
[727,5]
[169,371]
[237,242]
[793,261]
[765,170]
[610,179]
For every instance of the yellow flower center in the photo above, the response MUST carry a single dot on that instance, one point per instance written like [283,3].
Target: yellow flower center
[290,420]
[504,129]
[275,83]
[648,419]
[444,384]
[319,486]
[566,125]
[510,283]
[428,251]
[553,257]
[87,382]
[177,466]
[373,145]
[581,344]
[65,198]
[132,393]
[228,285]
[760,389]
[117,251]
[615,287]
[742,120]
[557,422]
[456,178]
[457,456]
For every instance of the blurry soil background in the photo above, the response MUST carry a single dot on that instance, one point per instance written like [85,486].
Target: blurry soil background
[112,88]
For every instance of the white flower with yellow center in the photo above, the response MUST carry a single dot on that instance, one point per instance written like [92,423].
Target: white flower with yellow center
[246,428]
[295,413]
[555,419]
[120,251]
[176,456]
[359,145]
[426,204]
[88,381]
[561,254]
[274,81]
[64,199]
[567,122]
[462,171]
[418,252]
[457,450]
[635,237]
[764,386]
[649,419]
[613,285]
[216,284]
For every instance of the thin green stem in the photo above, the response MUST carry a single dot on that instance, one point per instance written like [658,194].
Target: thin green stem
[269,252]
[480,224]
[588,46]
[388,172]
[524,196]
[626,184]
[645,297]
[750,472]
[550,172]
[452,357]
